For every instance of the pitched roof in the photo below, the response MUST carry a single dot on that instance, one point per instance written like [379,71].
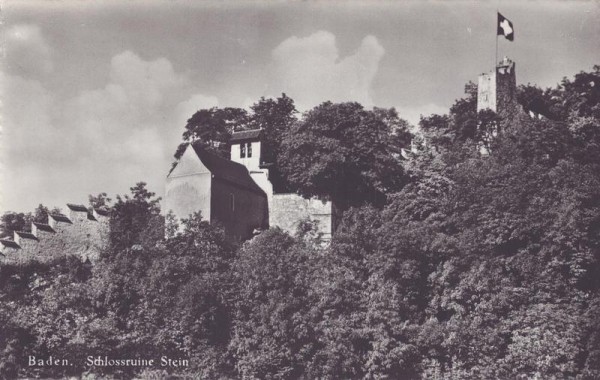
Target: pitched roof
[60,218]
[26,235]
[73,207]
[9,243]
[253,134]
[101,211]
[227,170]
[43,227]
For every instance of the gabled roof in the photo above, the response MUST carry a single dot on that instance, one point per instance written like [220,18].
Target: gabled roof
[60,218]
[26,235]
[253,134]
[43,227]
[80,208]
[9,243]
[101,211]
[227,170]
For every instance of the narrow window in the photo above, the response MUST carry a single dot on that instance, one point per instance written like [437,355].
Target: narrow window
[232,201]
[242,150]
[249,149]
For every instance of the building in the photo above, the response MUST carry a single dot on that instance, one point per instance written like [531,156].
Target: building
[286,210]
[222,190]
[497,91]
[238,193]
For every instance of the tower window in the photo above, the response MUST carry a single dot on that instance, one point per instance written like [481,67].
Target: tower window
[232,201]
[249,149]
[242,150]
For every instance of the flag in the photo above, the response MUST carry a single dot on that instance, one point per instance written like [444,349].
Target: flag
[505,28]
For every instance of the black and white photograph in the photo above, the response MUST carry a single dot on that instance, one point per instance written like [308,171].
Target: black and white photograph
[282,190]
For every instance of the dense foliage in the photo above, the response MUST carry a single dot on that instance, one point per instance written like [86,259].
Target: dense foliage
[475,267]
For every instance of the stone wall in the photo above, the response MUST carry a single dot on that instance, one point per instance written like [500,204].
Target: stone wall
[288,210]
[486,92]
[497,91]
[506,93]
[78,233]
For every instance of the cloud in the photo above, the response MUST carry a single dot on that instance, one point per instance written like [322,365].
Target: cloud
[310,70]
[27,138]
[27,53]
[103,139]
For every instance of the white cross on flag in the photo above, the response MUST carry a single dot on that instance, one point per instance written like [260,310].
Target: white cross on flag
[505,28]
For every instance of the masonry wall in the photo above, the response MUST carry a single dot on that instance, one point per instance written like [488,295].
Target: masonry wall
[288,210]
[188,187]
[506,94]
[76,233]
[486,92]
[239,210]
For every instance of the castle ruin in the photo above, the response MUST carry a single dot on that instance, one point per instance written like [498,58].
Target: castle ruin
[236,193]
[80,233]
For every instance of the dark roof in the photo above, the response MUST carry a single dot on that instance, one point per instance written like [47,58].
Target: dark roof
[227,170]
[26,235]
[60,218]
[9,243]
[73,207]
[43,227]
[253,134]
[101,211]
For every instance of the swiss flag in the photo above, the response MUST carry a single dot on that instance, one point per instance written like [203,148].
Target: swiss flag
[505,28]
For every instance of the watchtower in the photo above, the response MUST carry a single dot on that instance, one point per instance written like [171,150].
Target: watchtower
[497,90]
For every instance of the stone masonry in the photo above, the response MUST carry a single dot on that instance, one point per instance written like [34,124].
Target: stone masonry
[78,233]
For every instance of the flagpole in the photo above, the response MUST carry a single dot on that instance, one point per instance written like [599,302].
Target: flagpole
[496,60]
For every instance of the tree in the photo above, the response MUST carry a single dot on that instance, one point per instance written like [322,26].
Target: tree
[100,201]
[273,335]
[136,219]
[12,221]
[274,117]
[212,128]
[342,152]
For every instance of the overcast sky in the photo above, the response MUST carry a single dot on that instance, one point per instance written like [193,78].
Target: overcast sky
[95,94]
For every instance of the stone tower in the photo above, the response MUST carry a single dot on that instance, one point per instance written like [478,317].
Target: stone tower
[497,91]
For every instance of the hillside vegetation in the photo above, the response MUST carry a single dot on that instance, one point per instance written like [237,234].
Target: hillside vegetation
[447,264]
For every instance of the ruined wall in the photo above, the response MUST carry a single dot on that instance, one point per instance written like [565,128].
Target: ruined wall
[288,210]
[239,210]
[506,93]
[497,91]
[78,233]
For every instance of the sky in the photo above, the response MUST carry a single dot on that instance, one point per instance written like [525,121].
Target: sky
[95,94]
